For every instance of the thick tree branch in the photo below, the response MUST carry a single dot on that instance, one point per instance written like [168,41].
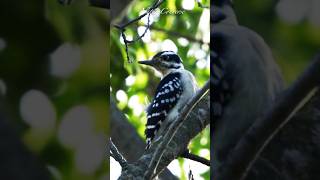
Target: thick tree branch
[173,129]
[262,132]
[197,120]
[129,143]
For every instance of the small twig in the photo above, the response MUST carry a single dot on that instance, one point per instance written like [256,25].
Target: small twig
[153,7]
[190,175]
[197,158]
[173,129]
[259,135]
[117,156]
[122,27]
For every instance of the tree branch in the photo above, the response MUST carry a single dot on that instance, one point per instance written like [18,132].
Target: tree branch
[131,147]
[122,27]
[197,158]
[197,120]
[118,156]
[153,7]
[263,130]
[173,129]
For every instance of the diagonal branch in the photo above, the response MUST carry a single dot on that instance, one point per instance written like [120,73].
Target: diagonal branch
[262,132]
[197,158]
[173,129]
[195,122]
[122,27]
[118,156]
[131,147]
[152,8]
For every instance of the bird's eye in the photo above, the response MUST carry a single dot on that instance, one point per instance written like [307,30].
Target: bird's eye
[165,58]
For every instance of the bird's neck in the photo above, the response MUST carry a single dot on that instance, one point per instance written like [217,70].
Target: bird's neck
[168,71]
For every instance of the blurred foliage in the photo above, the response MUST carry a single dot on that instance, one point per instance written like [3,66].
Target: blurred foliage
[60,55]
[134,85]
[290,28]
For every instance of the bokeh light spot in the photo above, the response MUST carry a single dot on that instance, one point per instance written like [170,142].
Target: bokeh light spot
[75,126]
[187,4]
[183,42]
[121,96]
[37,110]
[65,60]
[130,80]
[169,45]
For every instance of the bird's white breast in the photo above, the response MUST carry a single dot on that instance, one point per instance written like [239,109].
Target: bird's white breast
[189,87]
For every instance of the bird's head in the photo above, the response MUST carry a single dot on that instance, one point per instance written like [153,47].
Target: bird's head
[223,12]
[164,62]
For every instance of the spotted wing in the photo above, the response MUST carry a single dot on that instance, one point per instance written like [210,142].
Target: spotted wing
[166,97]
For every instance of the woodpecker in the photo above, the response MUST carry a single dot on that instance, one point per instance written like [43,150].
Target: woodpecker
[176,87]
[245,80]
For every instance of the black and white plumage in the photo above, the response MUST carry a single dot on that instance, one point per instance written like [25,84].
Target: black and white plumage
[167,95]
[175,88]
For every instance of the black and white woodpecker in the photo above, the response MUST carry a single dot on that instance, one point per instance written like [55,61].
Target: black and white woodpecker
[176,87]
[245,80]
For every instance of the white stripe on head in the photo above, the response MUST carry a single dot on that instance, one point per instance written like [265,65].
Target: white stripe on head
[168,53]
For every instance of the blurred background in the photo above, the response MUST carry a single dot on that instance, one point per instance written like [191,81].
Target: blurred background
[177,25]
[53,93]
[290,27]
[54,63]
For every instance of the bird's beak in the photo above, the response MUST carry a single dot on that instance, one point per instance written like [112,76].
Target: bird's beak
[147,62]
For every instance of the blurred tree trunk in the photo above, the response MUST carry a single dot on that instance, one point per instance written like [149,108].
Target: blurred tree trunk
[294,153]
[16,162]
[29,38]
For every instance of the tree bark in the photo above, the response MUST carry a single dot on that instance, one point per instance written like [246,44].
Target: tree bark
[197,120]
[294,153]
[127,140]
